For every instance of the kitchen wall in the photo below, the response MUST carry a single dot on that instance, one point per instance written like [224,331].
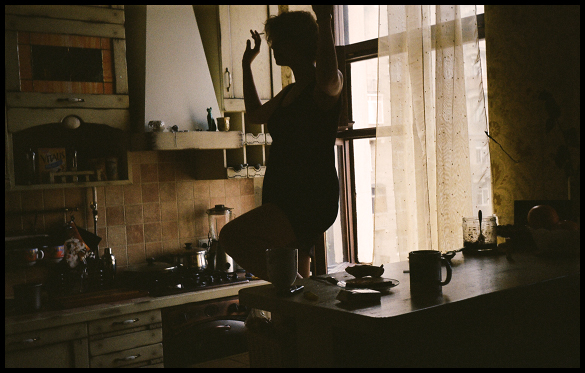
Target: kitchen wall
[158,213]
[531,49]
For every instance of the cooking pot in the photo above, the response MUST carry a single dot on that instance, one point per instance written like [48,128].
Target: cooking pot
[190,258]
[147,274]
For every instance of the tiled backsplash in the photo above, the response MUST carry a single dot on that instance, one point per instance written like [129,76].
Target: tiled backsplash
[158,213]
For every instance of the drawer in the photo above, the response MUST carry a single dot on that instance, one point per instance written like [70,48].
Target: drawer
[130,358]
[44,336]
[125,342]
[123,322]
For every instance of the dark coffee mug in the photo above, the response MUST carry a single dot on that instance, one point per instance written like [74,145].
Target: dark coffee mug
[425,272]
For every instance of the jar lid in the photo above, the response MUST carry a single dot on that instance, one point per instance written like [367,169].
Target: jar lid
[219,210]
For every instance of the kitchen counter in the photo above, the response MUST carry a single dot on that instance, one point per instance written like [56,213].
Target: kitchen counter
[56,318]
[495,312]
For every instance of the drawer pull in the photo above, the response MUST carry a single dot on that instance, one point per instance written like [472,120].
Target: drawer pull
[28,341]
[126,322]
[71,99]
[128,358]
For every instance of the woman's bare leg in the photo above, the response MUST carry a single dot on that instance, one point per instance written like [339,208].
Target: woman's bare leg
[247,237]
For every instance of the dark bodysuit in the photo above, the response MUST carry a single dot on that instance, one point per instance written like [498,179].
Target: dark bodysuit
[300,172]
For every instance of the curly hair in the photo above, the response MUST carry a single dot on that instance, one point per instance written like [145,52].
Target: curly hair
[298,28]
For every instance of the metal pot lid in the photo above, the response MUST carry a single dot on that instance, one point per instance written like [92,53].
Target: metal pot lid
[219,210]
[151,266]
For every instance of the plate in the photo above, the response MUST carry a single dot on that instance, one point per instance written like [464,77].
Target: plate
[375,283]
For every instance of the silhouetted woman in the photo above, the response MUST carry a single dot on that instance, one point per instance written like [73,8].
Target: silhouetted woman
[300,193]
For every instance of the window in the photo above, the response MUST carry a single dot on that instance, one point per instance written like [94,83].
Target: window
[350,239]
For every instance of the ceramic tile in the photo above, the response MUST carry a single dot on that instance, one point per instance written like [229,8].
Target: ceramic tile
[135,234]
[185,190]
[168,192]
[150,192]
[114,195]
[132,194]
[217,188]
[115,215]
[152,232]
[247,187]
[168,211]
[116,236]
[133,214]
[151,212]
[166,172]
[170,231]
[148,172]
[136,254]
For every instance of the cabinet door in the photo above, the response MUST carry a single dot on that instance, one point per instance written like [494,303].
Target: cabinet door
[69,354]
[236,21]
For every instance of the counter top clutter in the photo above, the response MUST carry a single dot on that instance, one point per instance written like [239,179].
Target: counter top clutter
[521,310]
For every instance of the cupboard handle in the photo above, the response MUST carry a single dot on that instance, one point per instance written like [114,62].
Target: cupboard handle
[28,341]
[71,99]
[126,322]
[227,79]
[128,358]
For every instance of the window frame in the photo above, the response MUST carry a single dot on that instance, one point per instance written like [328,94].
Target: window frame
[346,55]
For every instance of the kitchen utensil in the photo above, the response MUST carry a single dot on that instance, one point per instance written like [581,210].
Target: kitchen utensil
[219,216]
[425,272]
[144,276]
[282,266]
[472,243]
[481,238]
[195,258]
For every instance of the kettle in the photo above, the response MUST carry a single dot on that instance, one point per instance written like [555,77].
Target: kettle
[219,216]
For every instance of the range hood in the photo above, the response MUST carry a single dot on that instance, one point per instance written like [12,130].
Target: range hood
[169,79]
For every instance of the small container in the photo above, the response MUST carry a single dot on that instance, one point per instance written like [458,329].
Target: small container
[28,296]
[30,167]
[112,168]
[471,231]
[109,262]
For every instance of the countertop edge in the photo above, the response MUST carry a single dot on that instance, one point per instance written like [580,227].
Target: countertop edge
[56,318]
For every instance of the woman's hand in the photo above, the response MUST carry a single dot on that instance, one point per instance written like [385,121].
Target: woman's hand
[323,12]
[251,53]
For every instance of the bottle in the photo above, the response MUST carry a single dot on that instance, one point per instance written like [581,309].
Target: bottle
[109,262]
[30,167]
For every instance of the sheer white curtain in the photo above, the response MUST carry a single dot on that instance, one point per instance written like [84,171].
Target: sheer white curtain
[429,95]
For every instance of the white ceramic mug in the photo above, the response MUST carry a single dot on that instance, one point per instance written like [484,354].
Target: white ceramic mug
[282,266]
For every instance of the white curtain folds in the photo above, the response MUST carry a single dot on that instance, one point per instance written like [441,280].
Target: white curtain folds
[430,96]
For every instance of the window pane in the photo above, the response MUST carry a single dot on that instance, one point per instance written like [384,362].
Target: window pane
[361,23]
[333,236]
[364,86]
[363,153]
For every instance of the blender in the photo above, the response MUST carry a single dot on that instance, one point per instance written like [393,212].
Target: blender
[219,216]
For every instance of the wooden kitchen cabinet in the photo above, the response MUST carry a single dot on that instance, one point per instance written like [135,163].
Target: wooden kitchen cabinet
[64,61]
[236,21]
[63,347]
[131,340]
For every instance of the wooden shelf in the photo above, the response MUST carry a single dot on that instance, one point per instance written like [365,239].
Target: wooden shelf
[196,140]
[83,184]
